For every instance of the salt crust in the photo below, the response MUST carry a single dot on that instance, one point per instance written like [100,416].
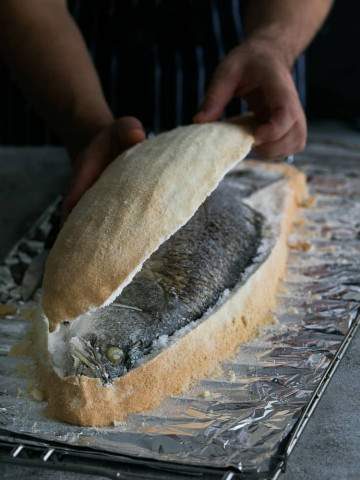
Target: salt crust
[85,401]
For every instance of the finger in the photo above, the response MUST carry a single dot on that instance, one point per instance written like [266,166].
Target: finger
[222,88]
[128,132]
[129,122]
[125,132]
[279,123]
[292,142]
[88,168]
[281,120]
[277,107]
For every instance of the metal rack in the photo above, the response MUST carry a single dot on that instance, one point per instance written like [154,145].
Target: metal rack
[27,451]
[316,396]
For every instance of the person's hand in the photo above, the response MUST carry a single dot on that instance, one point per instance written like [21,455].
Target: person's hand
[259,73]
[89,163]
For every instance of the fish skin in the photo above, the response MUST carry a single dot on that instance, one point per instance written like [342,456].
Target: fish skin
[183,279]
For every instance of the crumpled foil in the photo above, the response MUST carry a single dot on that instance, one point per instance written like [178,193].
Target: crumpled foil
[241,418]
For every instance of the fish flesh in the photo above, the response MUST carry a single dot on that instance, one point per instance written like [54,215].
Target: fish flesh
[184,278]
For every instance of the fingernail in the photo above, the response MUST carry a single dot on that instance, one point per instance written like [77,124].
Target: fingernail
[137,134]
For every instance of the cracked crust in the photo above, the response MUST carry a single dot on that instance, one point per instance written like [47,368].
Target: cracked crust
[85,401]
[139,201]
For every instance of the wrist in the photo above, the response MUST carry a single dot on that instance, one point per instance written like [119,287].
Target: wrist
[272,41]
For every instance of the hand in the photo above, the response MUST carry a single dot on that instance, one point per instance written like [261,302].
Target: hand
[260,74]
[89,163]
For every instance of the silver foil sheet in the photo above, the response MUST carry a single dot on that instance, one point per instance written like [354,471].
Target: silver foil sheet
[242,418]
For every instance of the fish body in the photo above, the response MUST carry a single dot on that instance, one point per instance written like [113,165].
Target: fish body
[184,278]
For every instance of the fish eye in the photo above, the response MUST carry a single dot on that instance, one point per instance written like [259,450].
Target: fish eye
[115,355]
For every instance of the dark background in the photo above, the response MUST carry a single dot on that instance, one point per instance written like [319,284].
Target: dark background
[333,65]
[333,81]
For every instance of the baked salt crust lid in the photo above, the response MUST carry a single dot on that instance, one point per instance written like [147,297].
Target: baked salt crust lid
[196,353]
[140,200]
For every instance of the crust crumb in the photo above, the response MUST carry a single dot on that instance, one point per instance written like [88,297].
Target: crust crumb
[29,313]
[204,394]
[299,221]
[36,394]
[300,245]
[293,311]
[7,309]
[308,202]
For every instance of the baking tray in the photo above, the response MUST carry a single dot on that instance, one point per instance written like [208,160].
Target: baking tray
[245,423]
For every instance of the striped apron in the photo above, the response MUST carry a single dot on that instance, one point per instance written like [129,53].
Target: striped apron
[156,57]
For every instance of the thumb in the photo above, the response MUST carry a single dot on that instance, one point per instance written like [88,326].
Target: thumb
[223,86]
[128,131]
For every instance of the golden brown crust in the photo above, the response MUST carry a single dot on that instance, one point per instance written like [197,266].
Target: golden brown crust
[140,200]
[84,401]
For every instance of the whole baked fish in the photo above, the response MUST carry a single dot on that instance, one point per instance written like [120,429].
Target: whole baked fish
[184,278]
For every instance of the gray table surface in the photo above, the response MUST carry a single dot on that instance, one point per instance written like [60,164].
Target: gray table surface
[329,447]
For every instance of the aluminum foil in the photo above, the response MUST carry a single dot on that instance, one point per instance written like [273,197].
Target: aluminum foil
[243,417]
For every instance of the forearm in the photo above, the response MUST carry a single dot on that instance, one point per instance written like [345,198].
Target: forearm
[289,25]
[48,57]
